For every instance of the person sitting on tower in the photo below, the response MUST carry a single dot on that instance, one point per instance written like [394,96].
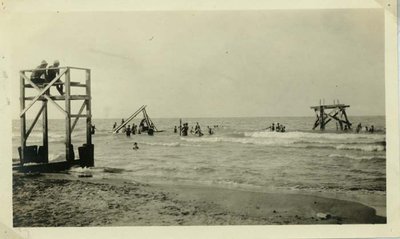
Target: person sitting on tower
[39,74]
[53,73]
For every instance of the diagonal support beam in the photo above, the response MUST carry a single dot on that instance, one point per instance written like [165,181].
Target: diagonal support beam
[34,122]
[42,92]
[79,114]
[129,119]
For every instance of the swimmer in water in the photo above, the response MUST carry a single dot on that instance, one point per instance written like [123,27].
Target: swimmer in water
[135,146]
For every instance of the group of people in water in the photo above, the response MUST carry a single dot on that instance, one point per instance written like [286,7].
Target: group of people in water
[184,129]
[370,129]
[359,128]
[128,130]
[277,128]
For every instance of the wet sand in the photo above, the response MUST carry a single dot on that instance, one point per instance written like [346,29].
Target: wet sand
[66,200]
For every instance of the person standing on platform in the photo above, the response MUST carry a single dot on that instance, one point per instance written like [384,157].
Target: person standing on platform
[175,130]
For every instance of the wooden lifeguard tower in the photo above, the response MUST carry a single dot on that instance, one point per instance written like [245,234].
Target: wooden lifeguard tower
[337,113]
[37,156]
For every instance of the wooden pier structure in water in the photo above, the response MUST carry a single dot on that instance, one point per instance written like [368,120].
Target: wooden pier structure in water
[337,113]
[34,158]
[146,119]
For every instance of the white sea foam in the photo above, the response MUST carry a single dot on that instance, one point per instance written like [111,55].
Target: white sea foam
[307,135]
[289,142]
[369,148]
[173,144]
[347,156]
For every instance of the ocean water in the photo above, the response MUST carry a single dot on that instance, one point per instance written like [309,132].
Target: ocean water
[240,154]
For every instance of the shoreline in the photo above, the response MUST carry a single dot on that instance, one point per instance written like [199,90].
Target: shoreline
[69,200]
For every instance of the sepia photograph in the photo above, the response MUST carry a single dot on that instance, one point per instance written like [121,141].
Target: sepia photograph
[199,118]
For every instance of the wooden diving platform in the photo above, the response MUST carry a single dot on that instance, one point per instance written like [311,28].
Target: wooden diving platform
[146,119]
[337,112]
[333,106]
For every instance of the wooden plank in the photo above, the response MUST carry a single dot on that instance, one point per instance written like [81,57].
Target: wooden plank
[59,97]
[42,92]
[331,116]
[67,95]
[180,127]
[34,121]
[129,119]
[330,106]
[74,84]
[23,116]
[321,117]
[78,115]
[347,120]
[79,68]
[37,88]
[45,131]
[60,67]
[146,117]
[316,123]
[88,109]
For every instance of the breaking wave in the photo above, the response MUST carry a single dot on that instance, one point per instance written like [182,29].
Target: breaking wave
[307,135]
[360,142]
[361,158]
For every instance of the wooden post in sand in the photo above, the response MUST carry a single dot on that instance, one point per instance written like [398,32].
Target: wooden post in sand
[67,94]
[45,132]
[180,127]
[88,110]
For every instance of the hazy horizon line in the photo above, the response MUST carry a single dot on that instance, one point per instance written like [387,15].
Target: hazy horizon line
[213,117]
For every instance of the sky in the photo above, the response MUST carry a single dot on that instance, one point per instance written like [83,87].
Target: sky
[210,63]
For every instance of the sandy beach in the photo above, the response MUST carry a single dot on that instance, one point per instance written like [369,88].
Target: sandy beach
[67,200]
